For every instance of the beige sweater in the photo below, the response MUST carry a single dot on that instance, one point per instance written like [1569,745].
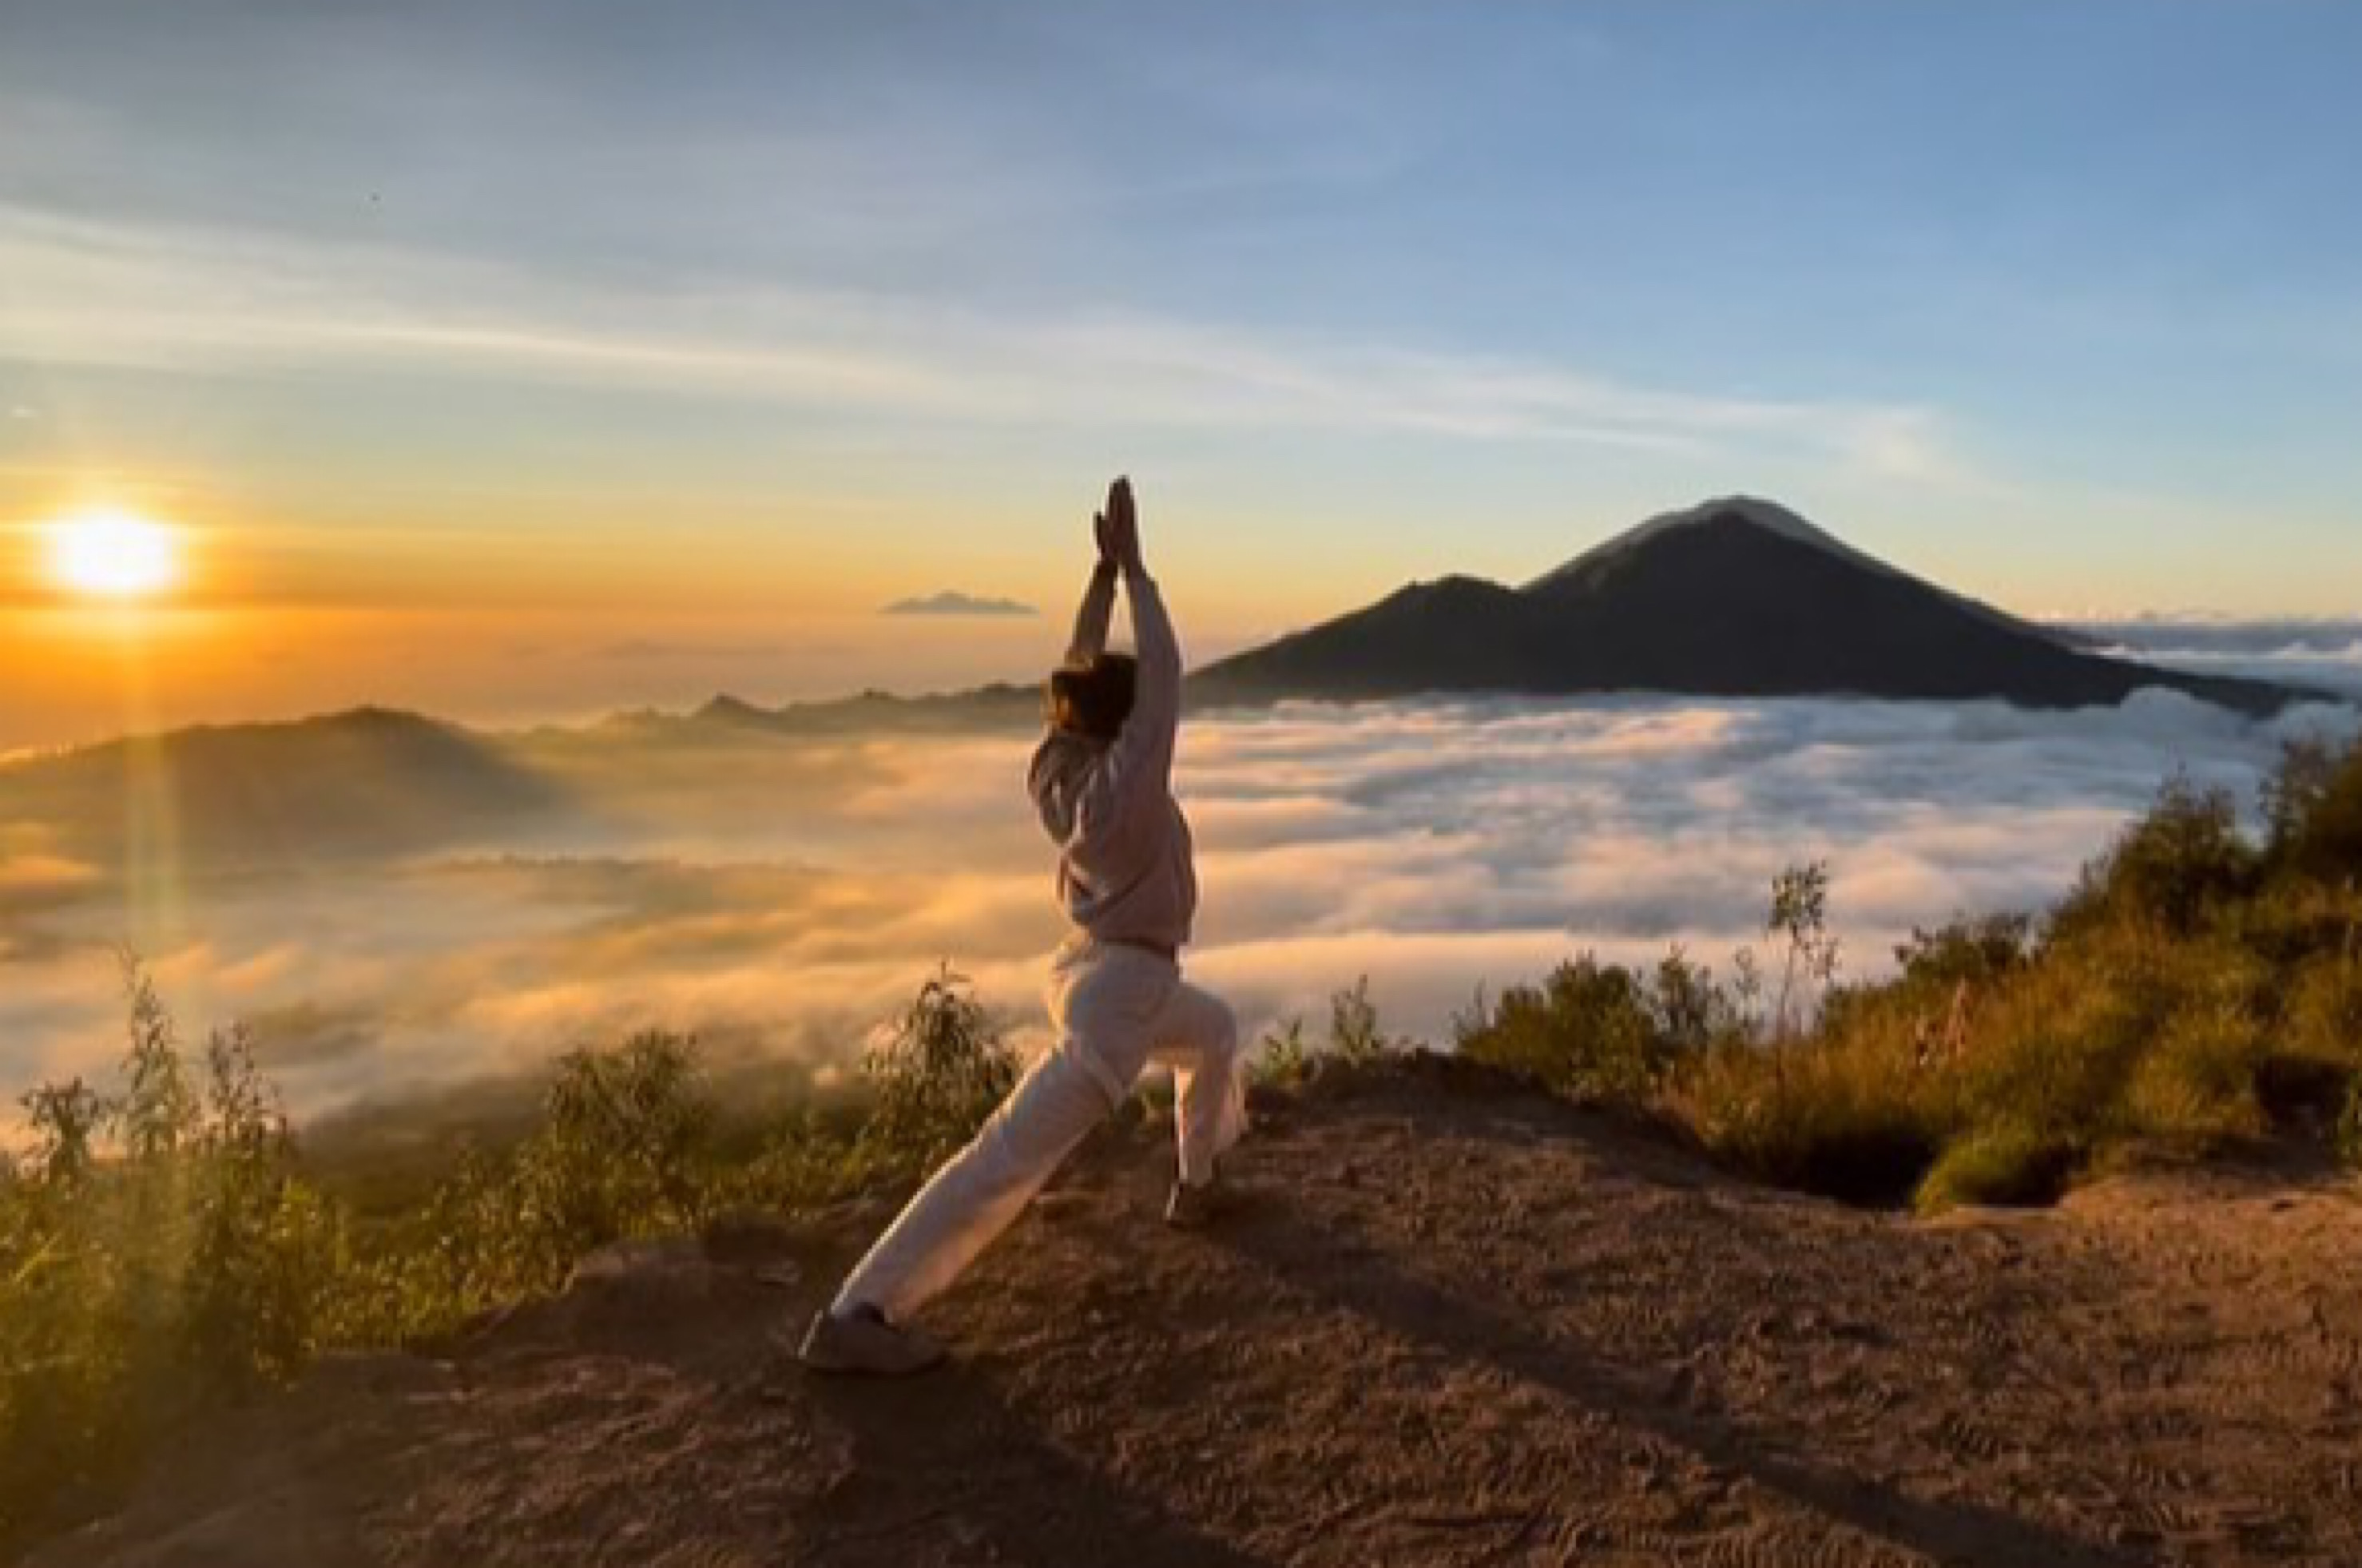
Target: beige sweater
[1125,870]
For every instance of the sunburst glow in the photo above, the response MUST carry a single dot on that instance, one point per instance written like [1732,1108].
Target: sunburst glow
[114,555]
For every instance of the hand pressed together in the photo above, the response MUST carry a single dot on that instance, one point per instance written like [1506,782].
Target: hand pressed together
[1117,529]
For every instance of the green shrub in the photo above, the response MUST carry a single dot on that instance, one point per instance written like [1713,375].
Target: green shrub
[1286,1055]
[1851,1115]
[2002,1166]
[2294,923]
[2054,1050]
[1588,1031]
[158,1249]
[624,1148]
[266,1249]
[468,1247]
[621,1150]
[1808,957]
[1979,952]
[2313,807]
[937,1071]
[2325,1011]
[1354,1034]
[67,1120]
[1284,1058]
[2173,868]
[1690,1010]
[2197,1086]
[806,1163]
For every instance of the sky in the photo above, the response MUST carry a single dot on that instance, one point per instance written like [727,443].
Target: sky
[518,359]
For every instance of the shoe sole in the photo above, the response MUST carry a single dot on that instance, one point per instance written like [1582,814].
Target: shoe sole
[822,1363]
[847,1372]
[836,1366]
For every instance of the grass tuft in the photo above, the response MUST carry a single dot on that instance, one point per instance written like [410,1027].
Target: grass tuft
[2007,1166]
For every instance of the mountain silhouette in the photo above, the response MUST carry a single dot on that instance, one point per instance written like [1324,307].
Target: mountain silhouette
[368,782]
[1738,597]
[867,713]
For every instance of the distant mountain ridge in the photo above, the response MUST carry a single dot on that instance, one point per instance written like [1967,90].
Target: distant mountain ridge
[871,712]
[1736,597]
[370,781]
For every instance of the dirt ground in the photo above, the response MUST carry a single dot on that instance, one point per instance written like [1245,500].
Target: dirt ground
[1451,1323]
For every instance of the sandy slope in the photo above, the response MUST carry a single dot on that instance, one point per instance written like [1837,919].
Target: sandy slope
[1458,1325]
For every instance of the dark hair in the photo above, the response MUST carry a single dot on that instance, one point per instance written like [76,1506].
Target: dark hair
[1094,698]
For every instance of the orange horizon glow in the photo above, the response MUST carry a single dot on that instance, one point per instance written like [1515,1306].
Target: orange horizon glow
[273,607]
[243,600]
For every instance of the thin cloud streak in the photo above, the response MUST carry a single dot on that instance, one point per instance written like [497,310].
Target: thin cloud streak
[95,294]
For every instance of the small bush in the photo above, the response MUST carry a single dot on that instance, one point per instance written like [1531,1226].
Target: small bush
[1852,1119]
[2197,1086]
[621,1150]
[2325,1011]
[2173,868]
[2313,807]
[158,1249]
[2054,1052]
[1588,1031]
[2307,766]
[1808,959]
[1979,952]
[1354,1034]
[2002,1166]
[1284,1058]
[806,1163]
[1690,1010]
[266,1248]
[937,1071]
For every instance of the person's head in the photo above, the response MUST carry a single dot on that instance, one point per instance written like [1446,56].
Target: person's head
[1093,699]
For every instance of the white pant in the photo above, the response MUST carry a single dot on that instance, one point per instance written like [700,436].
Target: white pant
[1114,1009]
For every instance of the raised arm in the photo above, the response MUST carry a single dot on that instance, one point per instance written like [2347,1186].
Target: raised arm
[1156,699]
[1133,777]
[1091,619]
[1142,753]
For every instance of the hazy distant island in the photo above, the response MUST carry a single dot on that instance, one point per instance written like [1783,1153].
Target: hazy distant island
[951,601]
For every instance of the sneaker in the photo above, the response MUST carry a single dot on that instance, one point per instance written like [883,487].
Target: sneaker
[1193,1208]
[862,1343]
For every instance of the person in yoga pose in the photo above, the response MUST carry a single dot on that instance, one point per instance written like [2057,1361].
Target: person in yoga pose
[1102,784]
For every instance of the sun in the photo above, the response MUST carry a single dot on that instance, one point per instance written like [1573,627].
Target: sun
[110,554]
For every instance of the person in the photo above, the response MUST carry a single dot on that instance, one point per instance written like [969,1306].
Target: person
[1102,784]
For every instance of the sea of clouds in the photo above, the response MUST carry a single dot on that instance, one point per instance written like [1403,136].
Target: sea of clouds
[778,897]
[2323,654]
